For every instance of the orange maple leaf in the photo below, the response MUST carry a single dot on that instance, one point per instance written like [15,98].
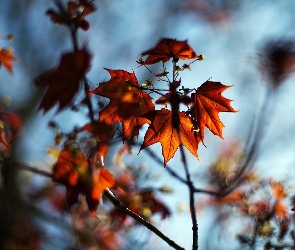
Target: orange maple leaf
[161,130]
[127,103]
[208,102]
[72,169]
[63,82]
[101,180]
[169,48]
[6,58]
[281,211]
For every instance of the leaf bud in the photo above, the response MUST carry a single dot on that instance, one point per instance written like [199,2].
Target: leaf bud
[201,57]
[146,211]
[52,124]
[58,137]
[181,206]
[185,90]
[10,37]
[148,84]
[177,68]
[140,61]
[165,189]
[72,136]
[186,66]
[195,129]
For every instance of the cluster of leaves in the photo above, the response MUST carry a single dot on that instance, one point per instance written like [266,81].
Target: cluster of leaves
[133,107]
[110,227]
[130,104]
[265,205]
[81,169]
[81,175]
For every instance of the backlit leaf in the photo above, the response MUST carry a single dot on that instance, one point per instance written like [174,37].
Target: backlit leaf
[6,59]
[128,102]
[161,130]
[169,48]
[208,102]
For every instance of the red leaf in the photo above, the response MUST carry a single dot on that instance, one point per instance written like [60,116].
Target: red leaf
[169,48]
[121,82]
[161,130]
[208,102]
[6,58]
[63,82]
[127,103]
[72,169]
[101,180]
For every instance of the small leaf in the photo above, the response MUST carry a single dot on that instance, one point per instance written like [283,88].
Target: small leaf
[63,83]
[169,48]
[207,103]
[101,180]
[6,59]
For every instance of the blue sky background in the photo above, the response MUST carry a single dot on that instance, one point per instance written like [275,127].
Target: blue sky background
[120,31]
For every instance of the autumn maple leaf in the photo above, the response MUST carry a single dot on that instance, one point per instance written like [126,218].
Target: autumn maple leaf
[72,169]
[161,130]
[128,102]
[101,180]
[63,82]
[207,103]
[6,59]
[169,48]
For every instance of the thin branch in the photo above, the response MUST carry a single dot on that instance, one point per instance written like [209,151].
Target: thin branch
[142,221]
[160,161]
[87,98]
[25,166]
[115,202]
[192,200]
[175,124]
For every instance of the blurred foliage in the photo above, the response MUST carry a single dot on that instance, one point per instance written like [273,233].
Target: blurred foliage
[264,205]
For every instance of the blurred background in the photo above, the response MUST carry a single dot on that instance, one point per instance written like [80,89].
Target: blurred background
[246,44]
